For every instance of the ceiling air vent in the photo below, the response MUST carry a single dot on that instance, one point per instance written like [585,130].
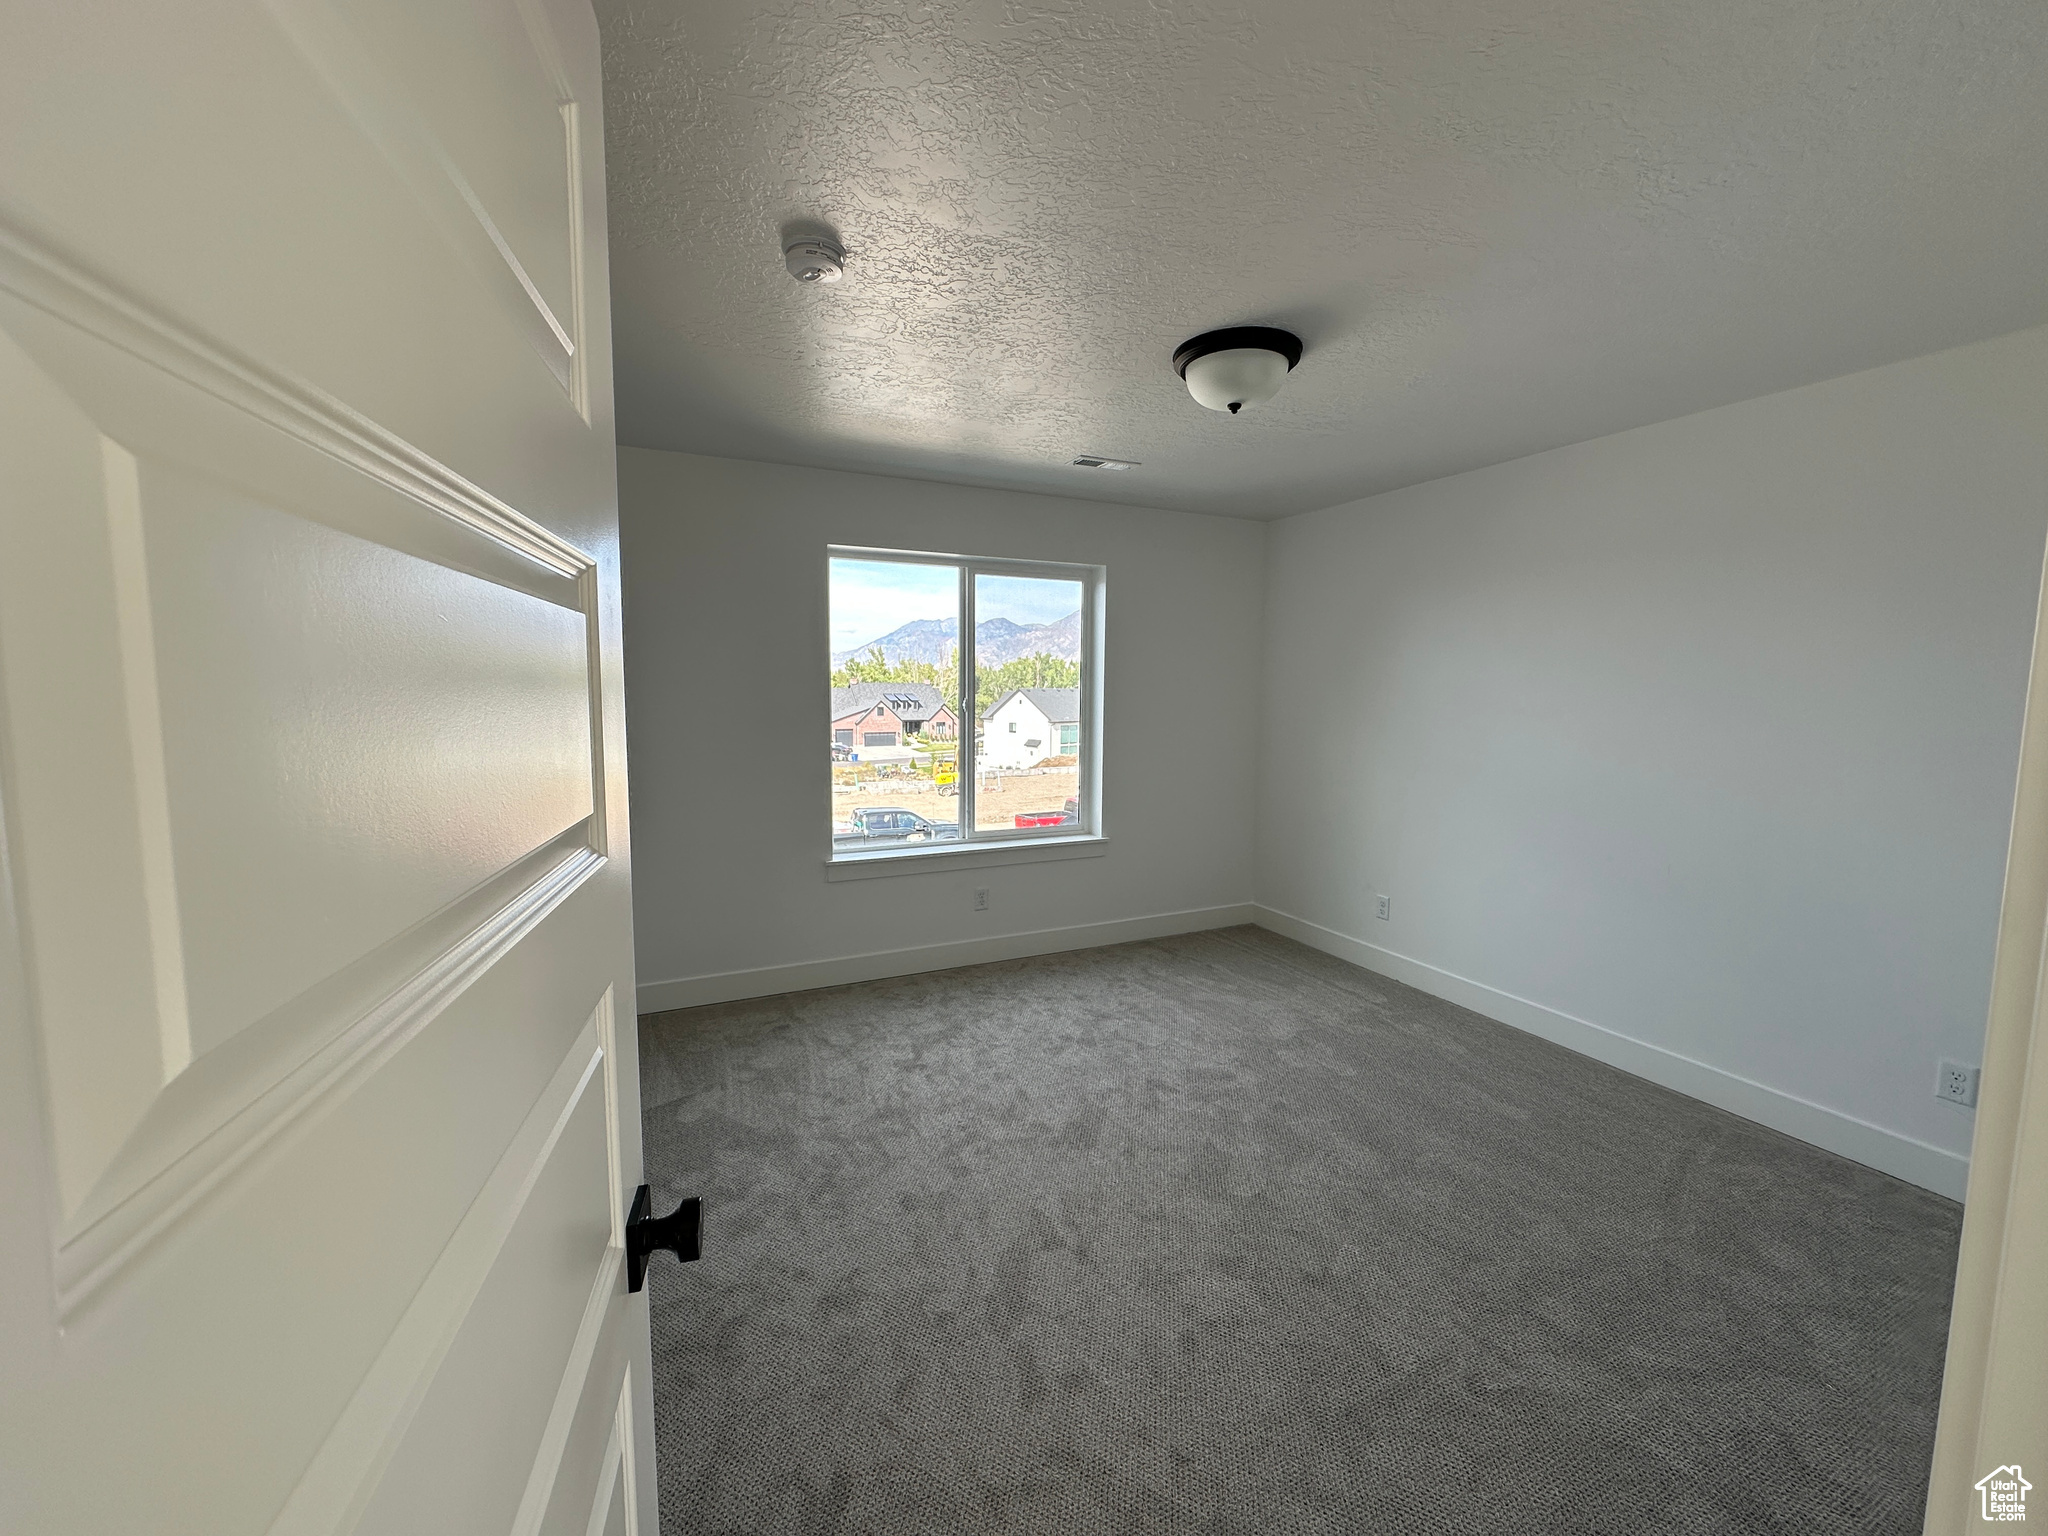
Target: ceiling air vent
[1096,461]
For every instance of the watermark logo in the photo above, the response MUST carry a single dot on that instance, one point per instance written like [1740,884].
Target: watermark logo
[2005,1494]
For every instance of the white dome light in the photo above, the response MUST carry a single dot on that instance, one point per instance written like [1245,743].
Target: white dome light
[1224,381]
[1243,365]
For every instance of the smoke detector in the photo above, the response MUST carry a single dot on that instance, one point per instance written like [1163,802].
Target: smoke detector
[1242,365]
[813,260]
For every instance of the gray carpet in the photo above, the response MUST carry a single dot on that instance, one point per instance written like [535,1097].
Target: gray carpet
[1220,1234]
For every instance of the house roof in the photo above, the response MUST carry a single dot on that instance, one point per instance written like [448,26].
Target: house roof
[919,701]
[1062,706]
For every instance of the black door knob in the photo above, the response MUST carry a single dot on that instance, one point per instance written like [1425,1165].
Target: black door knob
[681,1232]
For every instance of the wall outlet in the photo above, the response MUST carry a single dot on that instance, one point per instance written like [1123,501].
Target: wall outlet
[981,899]
[1956,1083]
[1383,908]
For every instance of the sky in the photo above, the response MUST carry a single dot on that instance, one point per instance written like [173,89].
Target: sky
[872,597]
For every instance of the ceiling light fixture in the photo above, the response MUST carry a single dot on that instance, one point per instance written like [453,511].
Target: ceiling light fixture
[1097,461]
[1241,365]
[812,260]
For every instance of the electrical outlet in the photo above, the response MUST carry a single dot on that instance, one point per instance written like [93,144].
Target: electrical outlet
[1384,908]
[1956,1083]
[981,899]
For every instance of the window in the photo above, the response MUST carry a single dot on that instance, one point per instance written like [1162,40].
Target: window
[998,742]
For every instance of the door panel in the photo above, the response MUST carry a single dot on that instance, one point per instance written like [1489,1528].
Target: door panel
[610,1511]
[488,79]
[315,903]
[532,1263]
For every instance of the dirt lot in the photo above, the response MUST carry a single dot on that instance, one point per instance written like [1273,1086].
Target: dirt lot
[1041,790]
[995,805]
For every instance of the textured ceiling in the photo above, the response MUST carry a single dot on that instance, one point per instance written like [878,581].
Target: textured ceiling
[1500,225]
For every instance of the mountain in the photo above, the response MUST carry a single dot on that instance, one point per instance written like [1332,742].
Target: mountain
[920,640]
[999,640]
[995,640]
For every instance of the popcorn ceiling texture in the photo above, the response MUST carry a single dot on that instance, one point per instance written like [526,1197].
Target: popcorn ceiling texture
[1500,225]
[1221,1234]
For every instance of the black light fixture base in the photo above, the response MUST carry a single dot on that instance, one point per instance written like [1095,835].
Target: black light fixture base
[1265,337]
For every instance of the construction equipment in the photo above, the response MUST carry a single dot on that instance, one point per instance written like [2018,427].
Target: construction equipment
[945,772]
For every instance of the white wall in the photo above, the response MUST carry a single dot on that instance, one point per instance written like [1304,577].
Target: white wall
[725,601]
[1693,747]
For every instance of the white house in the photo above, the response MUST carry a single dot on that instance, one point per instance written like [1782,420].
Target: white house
[1029,725]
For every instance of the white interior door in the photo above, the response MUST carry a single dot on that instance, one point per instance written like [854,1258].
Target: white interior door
[318,1104]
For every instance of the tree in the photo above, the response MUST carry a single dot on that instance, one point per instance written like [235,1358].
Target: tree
[1039,670]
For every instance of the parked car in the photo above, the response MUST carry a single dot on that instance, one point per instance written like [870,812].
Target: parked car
[891,824]
[1066,818]
[841,752]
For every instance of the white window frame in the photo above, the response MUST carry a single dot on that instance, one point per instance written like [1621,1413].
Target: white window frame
[996,845]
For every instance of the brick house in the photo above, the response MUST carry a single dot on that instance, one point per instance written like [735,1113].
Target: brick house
[885,714]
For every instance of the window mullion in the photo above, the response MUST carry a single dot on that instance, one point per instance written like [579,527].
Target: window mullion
[969,772]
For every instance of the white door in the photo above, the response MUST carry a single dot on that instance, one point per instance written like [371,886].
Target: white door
[318,1104]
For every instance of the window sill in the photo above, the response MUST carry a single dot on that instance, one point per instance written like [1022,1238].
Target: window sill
[926,861]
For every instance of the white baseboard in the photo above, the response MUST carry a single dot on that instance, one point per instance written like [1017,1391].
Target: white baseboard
[768,980]
[1946,1173]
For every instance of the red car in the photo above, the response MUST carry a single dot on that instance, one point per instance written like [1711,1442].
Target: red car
[1064,818]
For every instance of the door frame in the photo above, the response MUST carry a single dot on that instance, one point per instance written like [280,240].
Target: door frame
[1994,1398]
